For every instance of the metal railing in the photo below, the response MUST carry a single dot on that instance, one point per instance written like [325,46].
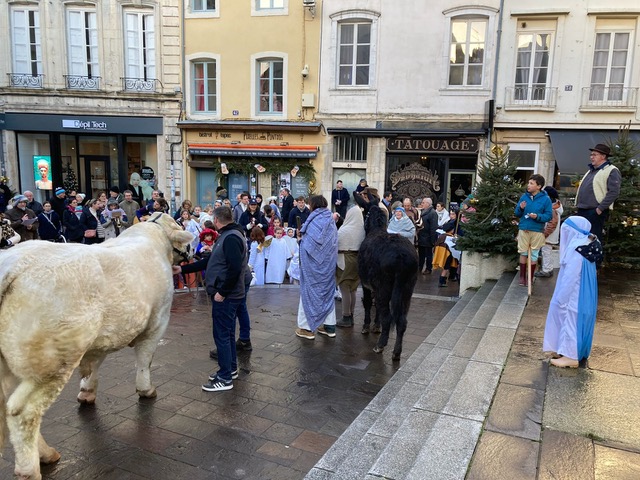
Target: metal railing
[26,80]
[82,82]
[609,97]
[130,84]
[531,97]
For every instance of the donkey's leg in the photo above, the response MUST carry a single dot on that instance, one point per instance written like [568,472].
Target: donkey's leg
[366,302]
[401,327]
[382,307]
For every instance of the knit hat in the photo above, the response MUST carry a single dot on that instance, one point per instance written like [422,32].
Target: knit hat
[60,190]
[82,196]
[17,199]
[208,231]
[114,189]
[112,201]
[552,192]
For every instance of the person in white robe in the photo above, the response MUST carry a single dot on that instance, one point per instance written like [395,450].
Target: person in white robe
[257,254]
[568,332]
[277,254]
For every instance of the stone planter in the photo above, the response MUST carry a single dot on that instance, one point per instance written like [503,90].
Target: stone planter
[478,267]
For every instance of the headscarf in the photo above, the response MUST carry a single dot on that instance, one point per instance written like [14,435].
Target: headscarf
[351,234]
[404,226]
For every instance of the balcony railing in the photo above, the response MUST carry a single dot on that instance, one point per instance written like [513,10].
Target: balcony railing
[82,82]
[25,80]
[604,98]
[139,84]
[531,98]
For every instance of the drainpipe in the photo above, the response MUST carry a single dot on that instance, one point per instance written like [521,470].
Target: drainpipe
[495,68]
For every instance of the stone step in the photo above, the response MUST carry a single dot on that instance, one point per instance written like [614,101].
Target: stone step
[389,437]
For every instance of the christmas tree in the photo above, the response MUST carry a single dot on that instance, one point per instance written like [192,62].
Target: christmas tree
[491,228]
[70,181]
[623,225]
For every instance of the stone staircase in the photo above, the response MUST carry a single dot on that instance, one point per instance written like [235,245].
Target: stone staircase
[426,421]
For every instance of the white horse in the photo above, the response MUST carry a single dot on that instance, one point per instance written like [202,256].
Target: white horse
[69,305]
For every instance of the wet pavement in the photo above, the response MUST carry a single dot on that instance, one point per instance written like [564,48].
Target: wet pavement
[549,423]
[293,398]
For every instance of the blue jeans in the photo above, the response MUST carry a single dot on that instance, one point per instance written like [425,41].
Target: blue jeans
[243,318]
[224,335]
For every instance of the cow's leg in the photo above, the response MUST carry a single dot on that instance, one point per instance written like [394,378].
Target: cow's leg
[24,414]
[366,303]
[89,379]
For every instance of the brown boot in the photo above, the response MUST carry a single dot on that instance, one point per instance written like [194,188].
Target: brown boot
[523,275]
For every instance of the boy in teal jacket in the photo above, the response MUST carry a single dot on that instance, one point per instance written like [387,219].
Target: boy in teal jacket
[534,210]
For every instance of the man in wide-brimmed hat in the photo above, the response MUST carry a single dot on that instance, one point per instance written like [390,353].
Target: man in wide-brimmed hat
[598,189]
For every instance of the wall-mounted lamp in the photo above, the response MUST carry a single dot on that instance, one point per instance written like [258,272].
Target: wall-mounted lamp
[311,5]
[305,71]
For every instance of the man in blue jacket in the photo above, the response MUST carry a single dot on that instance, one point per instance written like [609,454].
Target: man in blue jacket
[534,210]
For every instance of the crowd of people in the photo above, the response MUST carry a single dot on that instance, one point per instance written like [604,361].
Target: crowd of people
[315,244]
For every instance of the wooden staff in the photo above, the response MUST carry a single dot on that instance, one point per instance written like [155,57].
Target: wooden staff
[529,278]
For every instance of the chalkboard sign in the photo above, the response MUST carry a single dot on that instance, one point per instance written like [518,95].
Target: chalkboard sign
[299,186]
[238,183]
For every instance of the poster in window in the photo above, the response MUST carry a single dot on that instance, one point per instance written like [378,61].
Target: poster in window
[42,172]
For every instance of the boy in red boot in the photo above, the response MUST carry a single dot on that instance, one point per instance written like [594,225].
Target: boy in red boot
[534,210]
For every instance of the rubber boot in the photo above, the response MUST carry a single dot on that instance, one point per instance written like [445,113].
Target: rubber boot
[442,281]
[523,275]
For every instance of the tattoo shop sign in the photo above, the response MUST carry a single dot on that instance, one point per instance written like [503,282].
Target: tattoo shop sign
[432,145]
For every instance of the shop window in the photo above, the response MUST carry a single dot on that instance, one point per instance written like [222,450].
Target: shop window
[205,88]
[140,52]
[349,149]
[34,149]
[142,162]
[27,48]
[526,157]
[82,36]
[270,86]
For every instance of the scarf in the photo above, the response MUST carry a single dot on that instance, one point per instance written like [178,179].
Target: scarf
[318,256]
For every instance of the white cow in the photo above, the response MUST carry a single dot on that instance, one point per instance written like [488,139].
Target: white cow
[64,305]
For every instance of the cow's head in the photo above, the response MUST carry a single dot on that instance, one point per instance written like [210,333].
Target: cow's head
[180,239]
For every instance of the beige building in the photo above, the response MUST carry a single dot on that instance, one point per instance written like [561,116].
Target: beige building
[90,87]
[251,72]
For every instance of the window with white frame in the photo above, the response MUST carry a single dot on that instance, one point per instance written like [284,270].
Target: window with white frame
[347,148]
[270,4]
[205,88]
[532,66]
[140,46]
[610,64]
[203,5]
[467,51]
[525,155]
[354,53]
[25,36]
[82,33]
[270,86]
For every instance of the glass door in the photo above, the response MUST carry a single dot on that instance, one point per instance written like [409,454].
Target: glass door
[97,167]
[459,186]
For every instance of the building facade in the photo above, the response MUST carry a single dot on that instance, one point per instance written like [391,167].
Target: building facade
[92,89]
[251,88]
[568,80]
[404,94]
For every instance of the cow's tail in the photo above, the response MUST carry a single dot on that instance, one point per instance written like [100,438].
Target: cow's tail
[3,402]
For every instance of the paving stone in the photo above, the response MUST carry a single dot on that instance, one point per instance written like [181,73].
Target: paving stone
[313,442]
[516,411]
[504,456]
[563,455]
[468,342]
[394,415]
[438,392]
[616,463]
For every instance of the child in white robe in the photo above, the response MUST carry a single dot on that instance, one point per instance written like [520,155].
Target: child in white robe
[277,255]
[257,254]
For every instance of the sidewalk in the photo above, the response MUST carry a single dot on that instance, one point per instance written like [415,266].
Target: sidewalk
[547,423]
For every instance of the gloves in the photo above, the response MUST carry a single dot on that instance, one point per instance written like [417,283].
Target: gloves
[260,225]
[3,242]
[249,226]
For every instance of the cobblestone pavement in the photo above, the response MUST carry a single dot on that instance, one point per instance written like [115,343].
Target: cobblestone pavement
[293,398]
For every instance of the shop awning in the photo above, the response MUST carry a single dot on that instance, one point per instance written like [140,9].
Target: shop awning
[571,147]
[229,150]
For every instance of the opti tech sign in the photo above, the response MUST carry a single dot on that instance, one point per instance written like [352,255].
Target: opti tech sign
[91,125]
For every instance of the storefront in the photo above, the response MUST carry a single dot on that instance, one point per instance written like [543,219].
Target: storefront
[95,152]
[257,157]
